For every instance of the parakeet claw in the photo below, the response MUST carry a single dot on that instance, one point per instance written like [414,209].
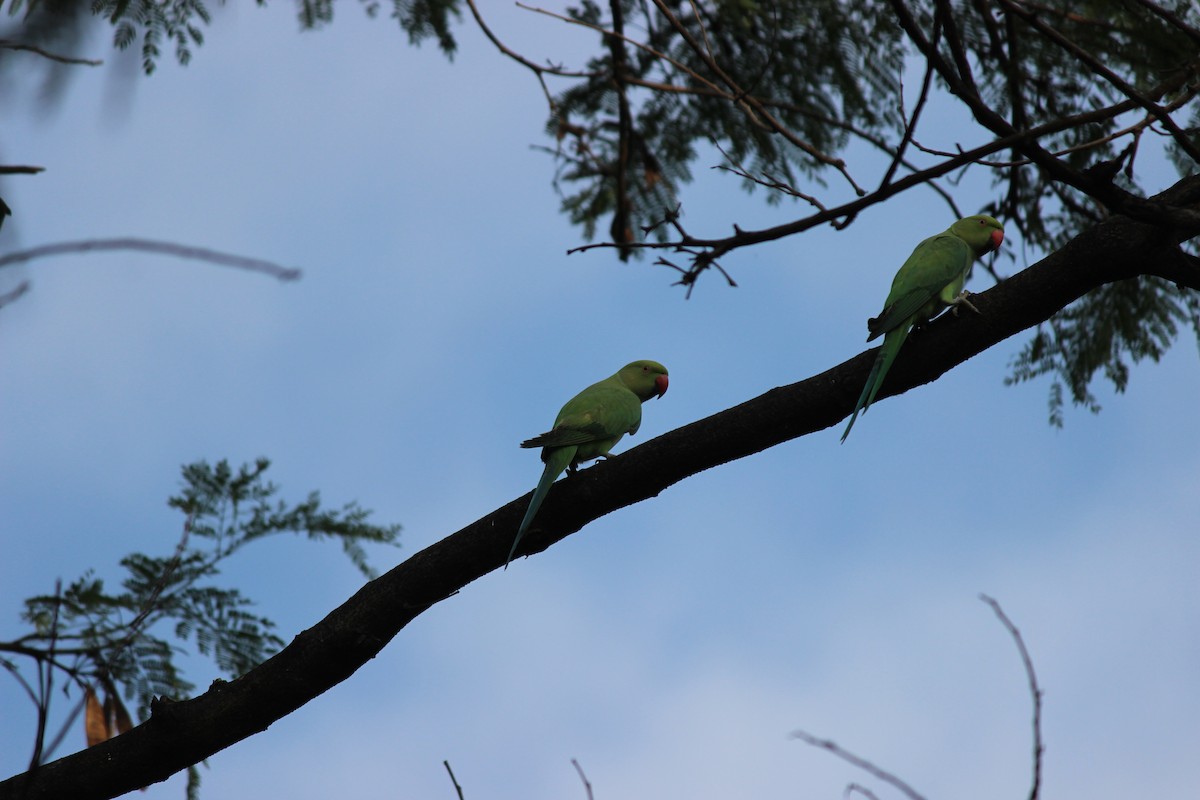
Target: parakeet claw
[962,300]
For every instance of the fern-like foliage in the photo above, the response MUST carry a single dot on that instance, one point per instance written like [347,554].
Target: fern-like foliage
[178,26]
[167,605]
[821,69]
[1105,332]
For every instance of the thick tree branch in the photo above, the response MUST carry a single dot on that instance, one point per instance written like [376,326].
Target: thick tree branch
[180,734]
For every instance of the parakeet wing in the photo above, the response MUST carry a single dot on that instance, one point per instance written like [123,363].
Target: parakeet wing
[934,264]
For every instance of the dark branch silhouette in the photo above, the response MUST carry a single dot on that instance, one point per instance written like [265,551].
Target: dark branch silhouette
[1034,691]
[85,62]
[183,733]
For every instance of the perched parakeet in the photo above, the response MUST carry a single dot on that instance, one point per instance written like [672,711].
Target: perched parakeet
[590,424]
[931,279]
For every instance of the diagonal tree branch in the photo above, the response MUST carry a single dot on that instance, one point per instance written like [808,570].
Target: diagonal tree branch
[183,733]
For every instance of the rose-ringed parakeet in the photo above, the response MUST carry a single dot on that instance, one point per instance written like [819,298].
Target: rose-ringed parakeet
[590,424]
[931,279]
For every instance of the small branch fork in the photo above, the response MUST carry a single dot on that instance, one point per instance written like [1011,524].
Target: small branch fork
[947,59]
[899,784]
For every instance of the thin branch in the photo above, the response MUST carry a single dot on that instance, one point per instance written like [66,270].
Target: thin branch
[949,30]
[86,62]
[1034,691]
[1098,68]
[153,246]
[759,112]
[859,762]
[17,169]
[910,127]
[1136,129]
[458,789]
[587,785]
[14,294]
[1118,200]
[864,791]
[716,247]
[640,45]
[621,230]
[768,102]
[67,724]
[537,69]
[1172,19]
[45,685]
[768,181]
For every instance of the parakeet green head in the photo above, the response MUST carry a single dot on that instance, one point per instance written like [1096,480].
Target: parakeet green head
[646,379]
[982,233]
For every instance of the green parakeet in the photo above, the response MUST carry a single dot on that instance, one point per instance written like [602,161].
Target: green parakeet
[590,424]
[931,279]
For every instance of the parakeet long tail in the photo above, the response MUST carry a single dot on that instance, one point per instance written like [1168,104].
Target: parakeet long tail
[557,460]
[879,371]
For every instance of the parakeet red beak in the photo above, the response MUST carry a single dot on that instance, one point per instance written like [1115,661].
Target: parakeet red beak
[660,385]
[997,239]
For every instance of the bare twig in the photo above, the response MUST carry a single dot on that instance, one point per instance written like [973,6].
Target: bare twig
[457,788]
[1034,691]
[538,70]
[640,45]
[45,683]
[17,169]
[587,785]
[14,294]
[768,181]
[859,789]
[153,246]
[86,62]
[910,126]
[858,761]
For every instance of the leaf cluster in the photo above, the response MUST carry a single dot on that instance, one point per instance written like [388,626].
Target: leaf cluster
[179,24]
[1065,96]
[1108,329]
[133,636]
[823,69]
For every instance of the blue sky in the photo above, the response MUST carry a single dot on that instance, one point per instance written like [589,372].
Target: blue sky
[670,647]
